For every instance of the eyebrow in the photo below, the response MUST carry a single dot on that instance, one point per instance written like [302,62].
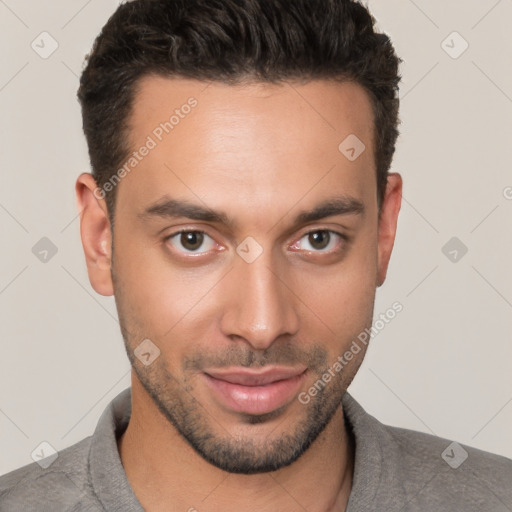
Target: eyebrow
[174,208]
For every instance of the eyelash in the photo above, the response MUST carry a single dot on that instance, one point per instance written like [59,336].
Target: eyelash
[343,237]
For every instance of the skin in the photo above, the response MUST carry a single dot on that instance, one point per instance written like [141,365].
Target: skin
[261,154]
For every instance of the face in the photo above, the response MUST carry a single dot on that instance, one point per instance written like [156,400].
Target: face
[247,248]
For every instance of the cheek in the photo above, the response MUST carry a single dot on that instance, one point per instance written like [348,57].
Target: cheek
[342,295]
[159,297]
[344,309]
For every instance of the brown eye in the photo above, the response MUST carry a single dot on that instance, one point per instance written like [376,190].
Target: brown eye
[191,241]
[319,239]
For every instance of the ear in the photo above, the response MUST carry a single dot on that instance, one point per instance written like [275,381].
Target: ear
[95,233]
[387,223]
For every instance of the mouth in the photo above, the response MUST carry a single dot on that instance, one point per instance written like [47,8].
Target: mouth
[254,391]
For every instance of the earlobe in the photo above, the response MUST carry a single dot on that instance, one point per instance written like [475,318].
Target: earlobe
[388,223]
[95,234]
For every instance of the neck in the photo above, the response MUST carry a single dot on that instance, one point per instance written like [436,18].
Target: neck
[166,473]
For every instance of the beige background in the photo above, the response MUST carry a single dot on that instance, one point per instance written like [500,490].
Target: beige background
[443,365]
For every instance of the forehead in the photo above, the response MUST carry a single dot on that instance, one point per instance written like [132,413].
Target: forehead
[256,143]
[327,106]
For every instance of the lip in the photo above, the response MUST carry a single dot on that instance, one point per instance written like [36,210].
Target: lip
[255,391]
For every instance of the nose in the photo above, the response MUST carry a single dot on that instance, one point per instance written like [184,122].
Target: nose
[261,306]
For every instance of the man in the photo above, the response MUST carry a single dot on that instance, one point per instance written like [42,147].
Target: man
[242,213]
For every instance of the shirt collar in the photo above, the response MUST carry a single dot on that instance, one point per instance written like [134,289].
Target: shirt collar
[377,481]
[108,477]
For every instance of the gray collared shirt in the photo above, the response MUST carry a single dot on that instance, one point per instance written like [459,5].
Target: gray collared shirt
[395,470]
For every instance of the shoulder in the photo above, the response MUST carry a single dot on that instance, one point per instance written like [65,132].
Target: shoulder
[410,471]
[441,471]
[63,485]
